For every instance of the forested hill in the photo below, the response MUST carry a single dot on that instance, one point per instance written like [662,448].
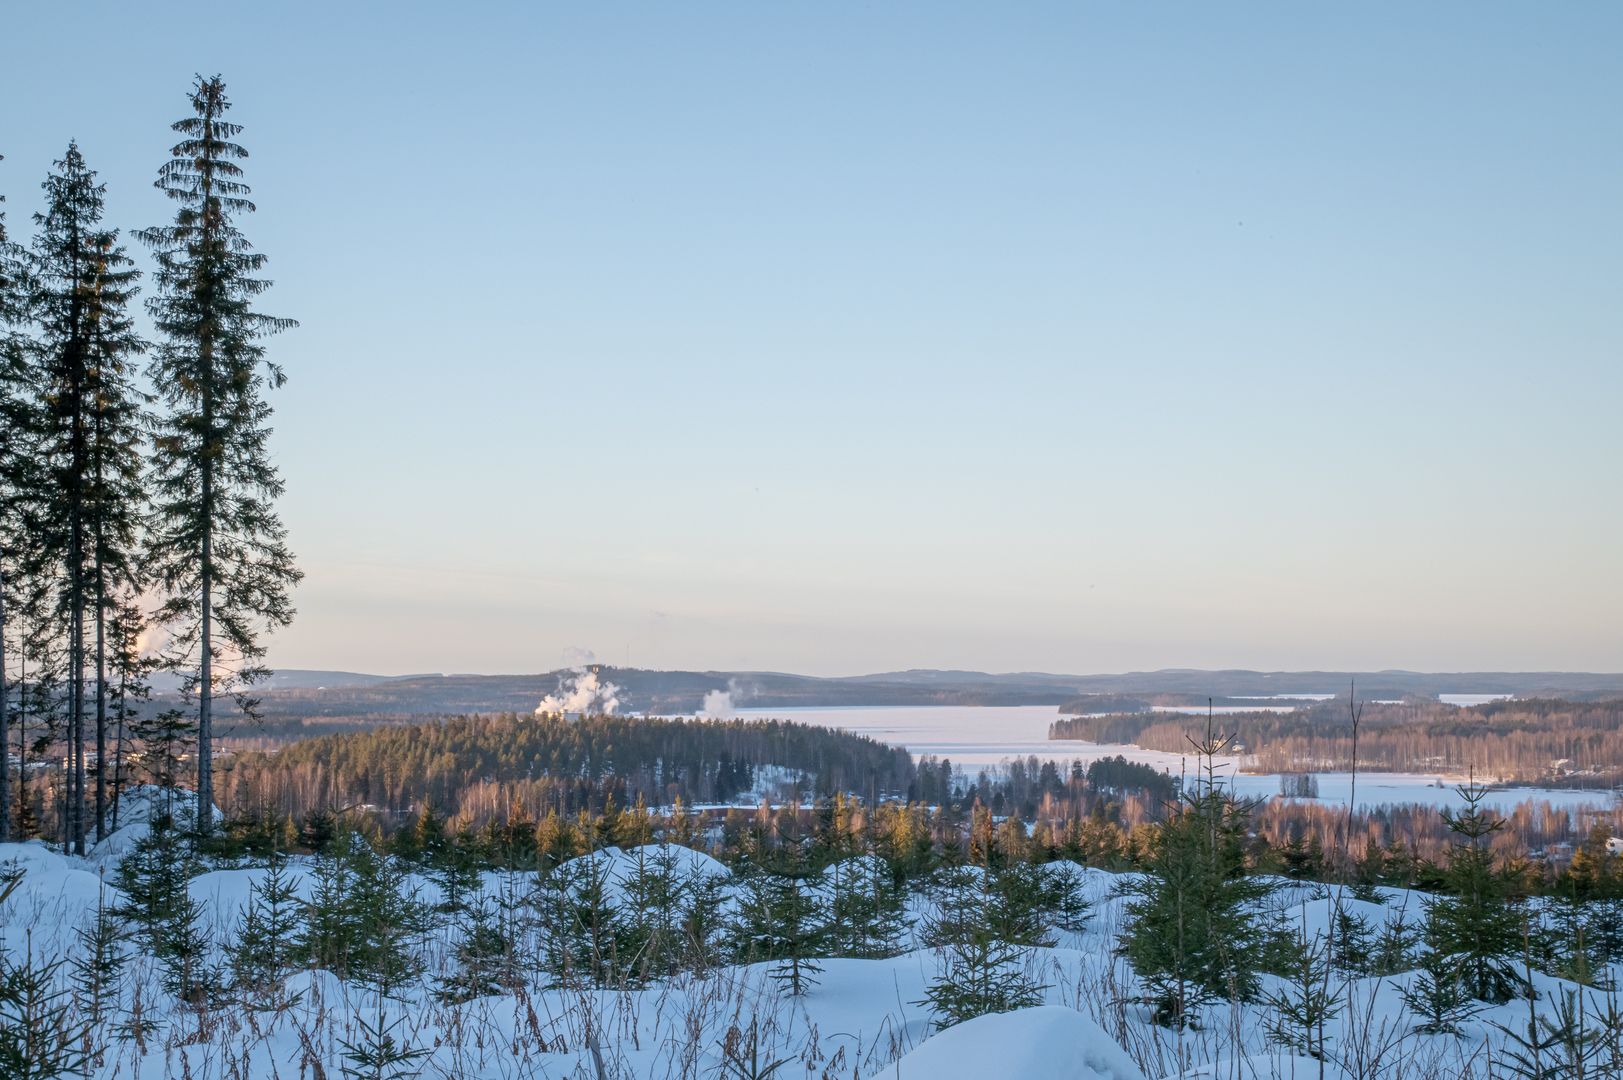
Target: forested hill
[469,765]
[316,694]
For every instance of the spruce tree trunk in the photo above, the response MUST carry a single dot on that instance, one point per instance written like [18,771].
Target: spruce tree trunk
[101,707]
[76,691]
[205,388]
[205,689]
[99,588]
[22,741]
[123,709]
[76,673]
[5,721]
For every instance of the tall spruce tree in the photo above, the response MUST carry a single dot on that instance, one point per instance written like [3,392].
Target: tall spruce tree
[219,550]
[65,292]
[81,285]
[116,501]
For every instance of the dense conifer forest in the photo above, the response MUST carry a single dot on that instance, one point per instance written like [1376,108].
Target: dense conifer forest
[469,765]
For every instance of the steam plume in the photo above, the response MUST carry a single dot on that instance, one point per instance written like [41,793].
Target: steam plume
[718,705]
[581,690]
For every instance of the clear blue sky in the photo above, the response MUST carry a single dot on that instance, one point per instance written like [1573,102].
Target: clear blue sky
[837,337]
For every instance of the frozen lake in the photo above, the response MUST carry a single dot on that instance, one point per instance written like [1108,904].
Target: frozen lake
[976,737]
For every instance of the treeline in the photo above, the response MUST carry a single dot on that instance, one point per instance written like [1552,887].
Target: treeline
[473,767]
[1397,844]
[137,520]
[1578,744]
[508,778]
[1536,848]
[502,775]
[1100,704]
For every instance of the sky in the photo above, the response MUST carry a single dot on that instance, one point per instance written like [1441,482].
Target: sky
[848,337]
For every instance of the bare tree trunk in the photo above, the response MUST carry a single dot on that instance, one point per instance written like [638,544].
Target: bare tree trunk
[22,741]
[101,708]
[5,721]
[76,698]
[118,741]
[205,689]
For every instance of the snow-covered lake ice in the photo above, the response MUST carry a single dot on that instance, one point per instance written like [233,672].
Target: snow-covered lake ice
[982,736]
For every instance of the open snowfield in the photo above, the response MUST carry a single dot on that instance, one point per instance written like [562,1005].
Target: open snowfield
[862,1019]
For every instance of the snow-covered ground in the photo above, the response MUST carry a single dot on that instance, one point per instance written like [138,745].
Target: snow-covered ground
[862,1019]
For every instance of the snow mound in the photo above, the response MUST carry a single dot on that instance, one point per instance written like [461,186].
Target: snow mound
[1315,916]
[52,897]
[625,862]
[226,894]
[1049,1042]
[138,807]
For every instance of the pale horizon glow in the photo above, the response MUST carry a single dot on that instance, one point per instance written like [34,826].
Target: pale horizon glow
[848,338]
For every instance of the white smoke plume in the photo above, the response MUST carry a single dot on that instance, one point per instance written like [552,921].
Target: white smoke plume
[581,690]
[152,639]
[718,705]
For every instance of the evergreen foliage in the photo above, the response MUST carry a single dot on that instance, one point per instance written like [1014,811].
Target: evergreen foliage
[663,929]
[1573,1044]
[545,763]
[360,923]
[1394,947]
[1477,923]
[84,536]
[18,477]
[186,949]
[783,917]
[97,965]
[40,1038]
[454,868]
[581,924]
[152,878]
[266,945]
[1438,997]
[984,933]
[867,913]
[1309,999]
[1194,931]
[378,1055]
[487,952]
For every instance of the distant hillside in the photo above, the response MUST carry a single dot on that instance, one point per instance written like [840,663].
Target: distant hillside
[301,694]
[639,691]
[165,682]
